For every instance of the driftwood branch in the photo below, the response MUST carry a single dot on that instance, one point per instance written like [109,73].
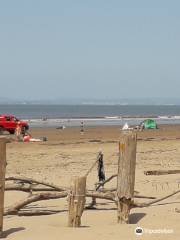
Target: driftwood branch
[28,188]
[17,208]
[93,165]
[33,181]
[107,196]
[107,192]
[29,185]
[161,172]
[101,184]
[141,205]
[13,210]
[37,212]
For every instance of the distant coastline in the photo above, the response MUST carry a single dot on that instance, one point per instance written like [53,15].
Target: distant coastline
[81,101]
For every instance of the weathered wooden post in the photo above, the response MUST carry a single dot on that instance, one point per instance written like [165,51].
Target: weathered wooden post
[77,199]
[2,179]
[126,175]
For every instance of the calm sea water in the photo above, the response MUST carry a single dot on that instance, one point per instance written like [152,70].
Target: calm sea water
[72,115]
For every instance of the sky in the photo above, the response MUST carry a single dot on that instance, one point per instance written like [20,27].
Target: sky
[95,49]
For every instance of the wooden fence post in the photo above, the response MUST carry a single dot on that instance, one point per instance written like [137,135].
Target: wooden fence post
[77,199]
[126,175]
[2,179]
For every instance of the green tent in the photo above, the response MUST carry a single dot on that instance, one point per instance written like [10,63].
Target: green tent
[150,124]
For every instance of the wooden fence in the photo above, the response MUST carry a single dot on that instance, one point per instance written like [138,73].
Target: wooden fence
[123,195]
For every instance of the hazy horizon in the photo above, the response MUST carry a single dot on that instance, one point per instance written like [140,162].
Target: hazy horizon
[94,101]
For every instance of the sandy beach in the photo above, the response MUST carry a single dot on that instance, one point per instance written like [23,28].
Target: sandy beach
[67,153]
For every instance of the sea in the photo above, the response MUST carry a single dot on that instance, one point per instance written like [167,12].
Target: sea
[39,115]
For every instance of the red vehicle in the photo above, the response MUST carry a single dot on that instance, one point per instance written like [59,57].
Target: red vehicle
[9,123]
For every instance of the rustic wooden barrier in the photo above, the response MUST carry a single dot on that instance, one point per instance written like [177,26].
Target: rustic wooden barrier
[77,199]
[78,192]
[126,175]
[2,179]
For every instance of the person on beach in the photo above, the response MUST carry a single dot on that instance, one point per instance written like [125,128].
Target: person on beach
[18,132]
[82,128]
[28,138]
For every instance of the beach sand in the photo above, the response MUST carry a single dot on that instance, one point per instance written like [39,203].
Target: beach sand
[67,153]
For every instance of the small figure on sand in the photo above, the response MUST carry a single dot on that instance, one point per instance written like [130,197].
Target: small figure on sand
[82,127]
[18,132]
[28,138]
[44,119]
[101,172]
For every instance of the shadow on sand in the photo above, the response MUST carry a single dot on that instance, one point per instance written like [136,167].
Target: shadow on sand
[10,231]
[136,217]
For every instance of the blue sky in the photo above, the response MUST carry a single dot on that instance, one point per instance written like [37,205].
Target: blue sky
[89,49]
